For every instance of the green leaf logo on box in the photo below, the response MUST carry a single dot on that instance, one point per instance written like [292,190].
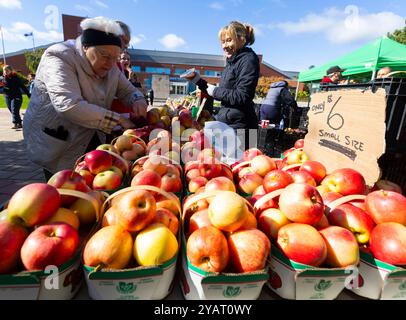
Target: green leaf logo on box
[323,285]
[232,292]
[402,287]
[126,288]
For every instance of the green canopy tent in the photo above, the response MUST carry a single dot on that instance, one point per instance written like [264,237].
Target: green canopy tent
[377,54]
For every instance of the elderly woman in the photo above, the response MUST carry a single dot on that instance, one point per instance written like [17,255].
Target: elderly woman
[69,112]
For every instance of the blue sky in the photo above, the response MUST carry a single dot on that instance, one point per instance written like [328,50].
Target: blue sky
[291,35]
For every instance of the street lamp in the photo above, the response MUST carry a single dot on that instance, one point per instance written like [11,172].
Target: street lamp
[31,34]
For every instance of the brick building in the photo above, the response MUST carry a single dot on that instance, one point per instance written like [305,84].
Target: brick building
[147,63]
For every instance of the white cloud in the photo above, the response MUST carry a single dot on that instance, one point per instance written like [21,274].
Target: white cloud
[172,41]
[101,4]
[18,29]
[345,26]
[136,40]
[216,6]
[10,4]
[86,9]
[259,29]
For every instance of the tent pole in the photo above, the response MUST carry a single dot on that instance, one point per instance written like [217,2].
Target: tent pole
[297,90]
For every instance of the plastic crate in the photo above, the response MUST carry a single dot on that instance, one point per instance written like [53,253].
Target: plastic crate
[395,108]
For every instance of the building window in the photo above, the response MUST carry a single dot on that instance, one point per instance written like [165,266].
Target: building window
[136,68]
[158,70]
[212,73]
[180,71]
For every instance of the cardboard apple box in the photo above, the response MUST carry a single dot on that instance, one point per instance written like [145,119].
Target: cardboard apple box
[61,283]
[197,284]
[140,283]
[379,280]
[296,281]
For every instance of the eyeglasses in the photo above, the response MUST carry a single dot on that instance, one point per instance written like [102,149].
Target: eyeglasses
[107,57]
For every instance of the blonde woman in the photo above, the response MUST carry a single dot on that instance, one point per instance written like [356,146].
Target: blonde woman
[76,82]
[239,79]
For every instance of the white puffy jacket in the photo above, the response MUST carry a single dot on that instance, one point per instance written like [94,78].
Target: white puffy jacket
[68,93]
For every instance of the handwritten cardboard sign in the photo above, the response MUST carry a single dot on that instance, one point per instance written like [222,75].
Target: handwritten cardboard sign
[347,130]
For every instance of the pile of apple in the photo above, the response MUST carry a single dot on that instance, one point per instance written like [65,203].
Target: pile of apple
[128,146]
[222,234]
[297,208]
[136,231]
[208,173]
[158,172]
[100,170]
[163,145]
[40,228]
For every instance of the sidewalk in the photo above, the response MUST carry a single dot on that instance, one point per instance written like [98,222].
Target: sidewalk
[16,170]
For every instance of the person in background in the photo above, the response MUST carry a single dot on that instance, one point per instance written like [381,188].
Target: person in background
[383,72]
[12,94]
[151,97]
[239,79]
[278,105]
[125,63]
[334,76]
[69,112]
[31,78]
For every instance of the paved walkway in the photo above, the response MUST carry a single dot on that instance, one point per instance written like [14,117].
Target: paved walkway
[15,169]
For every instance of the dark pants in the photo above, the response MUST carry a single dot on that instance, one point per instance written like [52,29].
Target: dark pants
[14,105]
[93,144]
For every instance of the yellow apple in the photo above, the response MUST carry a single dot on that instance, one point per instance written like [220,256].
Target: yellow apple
[64,215]
[155,245]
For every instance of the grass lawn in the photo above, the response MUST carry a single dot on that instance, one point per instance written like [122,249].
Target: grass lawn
[24,105]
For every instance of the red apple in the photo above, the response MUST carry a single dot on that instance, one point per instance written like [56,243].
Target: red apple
[136,209]
[249,182]
[228,211]
[98,161]
[88,176]
[33,204]
[147,178]
[272,203]
[207,249]
[12,237]
[299,144]
[156,164]
[111,247]
[262,165]
[302,243]
[210,169]
[107,180]
[52,244]
[271,220]
[388,243]
[220,183]
[316,169]
[249,250]
[386,206]
[303,177]
[323,223]
[168,219]
[196,183]
[297,156]
[198,220]
[354,219]
[342,247]
[171,182]
[68,179]
[345,181]
[250,154]
[194,173]
[301,203]
[277,179]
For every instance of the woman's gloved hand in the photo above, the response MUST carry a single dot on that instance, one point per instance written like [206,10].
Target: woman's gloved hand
[126,123]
